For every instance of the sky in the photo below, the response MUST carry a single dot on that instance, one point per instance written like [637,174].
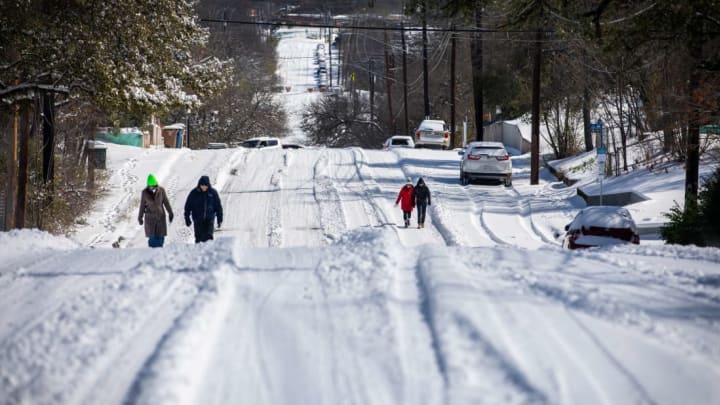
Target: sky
[312,294]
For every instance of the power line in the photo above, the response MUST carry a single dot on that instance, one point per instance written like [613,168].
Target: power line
[358,27]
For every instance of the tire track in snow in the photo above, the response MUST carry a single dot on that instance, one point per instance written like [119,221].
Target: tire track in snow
[479,219]
[274,230]
[639,388]
[327,197]
[456,341]
[97,322]
[184,352]
[498,210]
[371,189]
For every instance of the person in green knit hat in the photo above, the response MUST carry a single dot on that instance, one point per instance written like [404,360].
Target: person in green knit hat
[154,204]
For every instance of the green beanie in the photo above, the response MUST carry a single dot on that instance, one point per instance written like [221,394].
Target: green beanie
[151,181]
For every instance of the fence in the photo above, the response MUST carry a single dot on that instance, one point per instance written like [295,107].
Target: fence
[508,134]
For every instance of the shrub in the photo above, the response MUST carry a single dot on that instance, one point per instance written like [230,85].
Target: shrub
[683,227]
[698,225]
[709,213]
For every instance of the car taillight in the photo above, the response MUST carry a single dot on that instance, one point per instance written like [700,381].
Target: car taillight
[505,157]
[473,157]
[447,134]
[417,134]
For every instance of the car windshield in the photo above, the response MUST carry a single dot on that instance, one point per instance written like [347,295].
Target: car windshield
[435,126]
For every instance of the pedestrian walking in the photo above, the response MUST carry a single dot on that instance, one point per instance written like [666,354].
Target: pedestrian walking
[204,207]
[406,201]
[422,200]
[153,205]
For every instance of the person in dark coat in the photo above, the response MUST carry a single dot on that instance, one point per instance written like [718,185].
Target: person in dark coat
[153,204]
[405,197]
[203,205]
[422,200]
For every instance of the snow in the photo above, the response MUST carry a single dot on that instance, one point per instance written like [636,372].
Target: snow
[312,294]
[603,217]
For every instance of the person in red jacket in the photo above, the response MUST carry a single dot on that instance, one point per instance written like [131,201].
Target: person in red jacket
[407,200]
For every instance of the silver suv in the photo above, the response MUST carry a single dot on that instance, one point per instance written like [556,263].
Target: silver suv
[432,133]
[485,160]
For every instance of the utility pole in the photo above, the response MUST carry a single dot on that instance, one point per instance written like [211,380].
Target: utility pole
[476,48]
[405,82]
[426,94]
[11,197]
[329,51]
[48,136]
[24,159]
[372,89]
[452,89]
[388,82]
[339,56]
[535,123]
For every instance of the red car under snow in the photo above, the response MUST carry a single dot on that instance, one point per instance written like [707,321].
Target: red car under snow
[601,226]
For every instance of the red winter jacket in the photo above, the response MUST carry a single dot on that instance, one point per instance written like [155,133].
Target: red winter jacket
[406,196]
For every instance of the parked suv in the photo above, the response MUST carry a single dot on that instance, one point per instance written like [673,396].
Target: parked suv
[432,133]
[485,160]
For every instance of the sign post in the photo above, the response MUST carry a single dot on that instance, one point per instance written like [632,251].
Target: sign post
[601,151]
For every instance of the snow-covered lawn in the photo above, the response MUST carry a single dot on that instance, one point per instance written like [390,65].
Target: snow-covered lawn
[311,293]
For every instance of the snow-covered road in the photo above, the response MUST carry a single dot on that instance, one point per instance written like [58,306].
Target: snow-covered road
[311,293]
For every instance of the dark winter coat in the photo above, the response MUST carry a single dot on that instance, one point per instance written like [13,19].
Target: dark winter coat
[152,211]
[405,197]
[203,205]
[422,193]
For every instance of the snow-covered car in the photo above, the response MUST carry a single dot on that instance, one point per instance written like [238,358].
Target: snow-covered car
[601,225]
[267,142]
[292,146]
[432,133]
[398,141]
[485,160]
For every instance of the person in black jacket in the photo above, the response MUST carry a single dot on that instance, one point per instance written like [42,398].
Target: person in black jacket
[422,200]
[203,204]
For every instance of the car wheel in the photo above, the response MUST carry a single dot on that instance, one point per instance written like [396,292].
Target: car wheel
[463,178]
[508,181]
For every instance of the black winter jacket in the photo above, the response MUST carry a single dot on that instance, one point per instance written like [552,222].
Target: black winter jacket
[203,205]
[422,194]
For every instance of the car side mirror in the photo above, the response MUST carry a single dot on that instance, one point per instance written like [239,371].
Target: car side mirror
[567,227]
[461,152]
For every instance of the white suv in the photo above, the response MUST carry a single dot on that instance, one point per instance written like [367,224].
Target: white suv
[432,133]
[485,160]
